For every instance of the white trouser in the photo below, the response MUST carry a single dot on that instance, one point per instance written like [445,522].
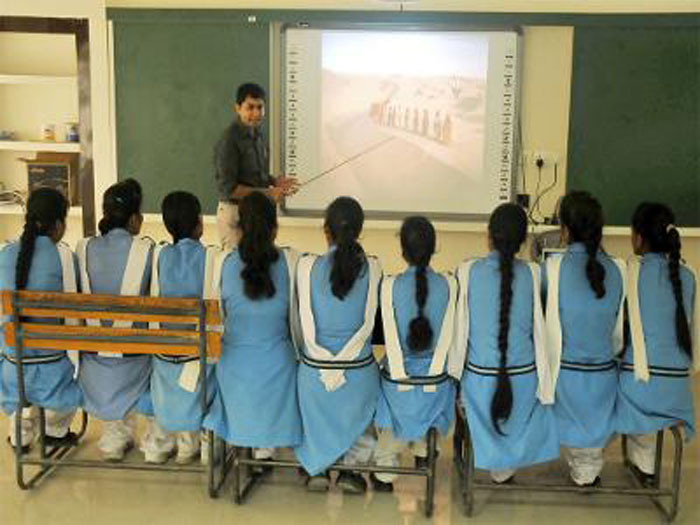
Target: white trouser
[188,444]
[57,424]
[263,453]
[499,476]
[118,435]
[386,453]
[157,440]
[585,464]
[361,450]
[227,224]
[641,449]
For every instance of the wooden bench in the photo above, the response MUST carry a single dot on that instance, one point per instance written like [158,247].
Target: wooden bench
[198,334]
[464,460]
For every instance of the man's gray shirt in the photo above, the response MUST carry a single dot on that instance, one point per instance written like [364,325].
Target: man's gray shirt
[241,157]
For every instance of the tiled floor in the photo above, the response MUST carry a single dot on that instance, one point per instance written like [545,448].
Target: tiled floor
[74,496]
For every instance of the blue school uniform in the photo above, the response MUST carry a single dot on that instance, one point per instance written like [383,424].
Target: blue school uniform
[180,274]
[256,374]
[586,388]
[411,413]
[646,407]
[530,433]
[113,386]
[334,419]
[48,384]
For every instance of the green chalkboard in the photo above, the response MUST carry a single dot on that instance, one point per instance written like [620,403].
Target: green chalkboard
[635,105]
[635,119]
[174,89]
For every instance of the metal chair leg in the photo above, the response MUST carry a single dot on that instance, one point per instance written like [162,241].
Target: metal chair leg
[468,483]
[19,465]
[430,478]
[236,476]
[676,475]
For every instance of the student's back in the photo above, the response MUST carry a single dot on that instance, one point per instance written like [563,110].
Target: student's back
[38,262]
[655,384]
[258,365]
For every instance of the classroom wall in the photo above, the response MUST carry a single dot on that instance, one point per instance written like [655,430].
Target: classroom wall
[515,6]
[546,84]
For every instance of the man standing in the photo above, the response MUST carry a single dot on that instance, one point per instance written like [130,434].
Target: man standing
[241,158]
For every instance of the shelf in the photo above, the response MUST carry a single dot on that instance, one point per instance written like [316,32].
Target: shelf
[38,79]
[16,209]
[57,147]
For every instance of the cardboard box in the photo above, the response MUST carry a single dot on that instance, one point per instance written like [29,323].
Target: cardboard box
[55,170]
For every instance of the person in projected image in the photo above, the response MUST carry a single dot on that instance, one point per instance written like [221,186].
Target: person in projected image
[242,162]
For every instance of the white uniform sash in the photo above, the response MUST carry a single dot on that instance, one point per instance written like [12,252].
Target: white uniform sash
[393,346]
[553,322]
[695,325]
[458,356]
[545,385]
[619,331]
[292,257]
[131,279]
[70,285]
[335,378]
[639,350]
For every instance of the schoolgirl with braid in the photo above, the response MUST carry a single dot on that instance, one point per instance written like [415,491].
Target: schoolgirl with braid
[500,355]
[662,298]
[338,379]
[418,309]
[584,318]
[257,372]
[180,270]
[116,387]
[38,261]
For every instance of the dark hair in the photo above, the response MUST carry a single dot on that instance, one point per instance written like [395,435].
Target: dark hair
[418,246]
[181,211]
[582,214]
[119,203]
[257,221]
[249,89]
[45,208]
[507,230]
[651,220]
[344,220]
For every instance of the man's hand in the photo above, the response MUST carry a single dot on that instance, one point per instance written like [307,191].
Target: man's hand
[275,193]
[288,185]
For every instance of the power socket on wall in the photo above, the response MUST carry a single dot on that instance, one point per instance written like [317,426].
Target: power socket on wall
[545,158]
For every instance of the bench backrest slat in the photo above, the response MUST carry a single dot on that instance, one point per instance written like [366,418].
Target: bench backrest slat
[184,340]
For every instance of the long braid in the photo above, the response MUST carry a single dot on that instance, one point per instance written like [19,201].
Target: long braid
[258,221]
[26,251]
[508,229]
[595,271]
[502,401]
[45,208]
[583,217]
[653,221]
[674,258]
[418,246]
[344,220]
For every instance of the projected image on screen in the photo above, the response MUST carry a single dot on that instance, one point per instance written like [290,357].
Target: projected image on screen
[396,119]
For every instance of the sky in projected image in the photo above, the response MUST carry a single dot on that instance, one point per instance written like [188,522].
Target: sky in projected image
[401,53]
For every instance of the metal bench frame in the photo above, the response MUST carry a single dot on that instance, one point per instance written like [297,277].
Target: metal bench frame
[22,333]
[464,461]
[245,479]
